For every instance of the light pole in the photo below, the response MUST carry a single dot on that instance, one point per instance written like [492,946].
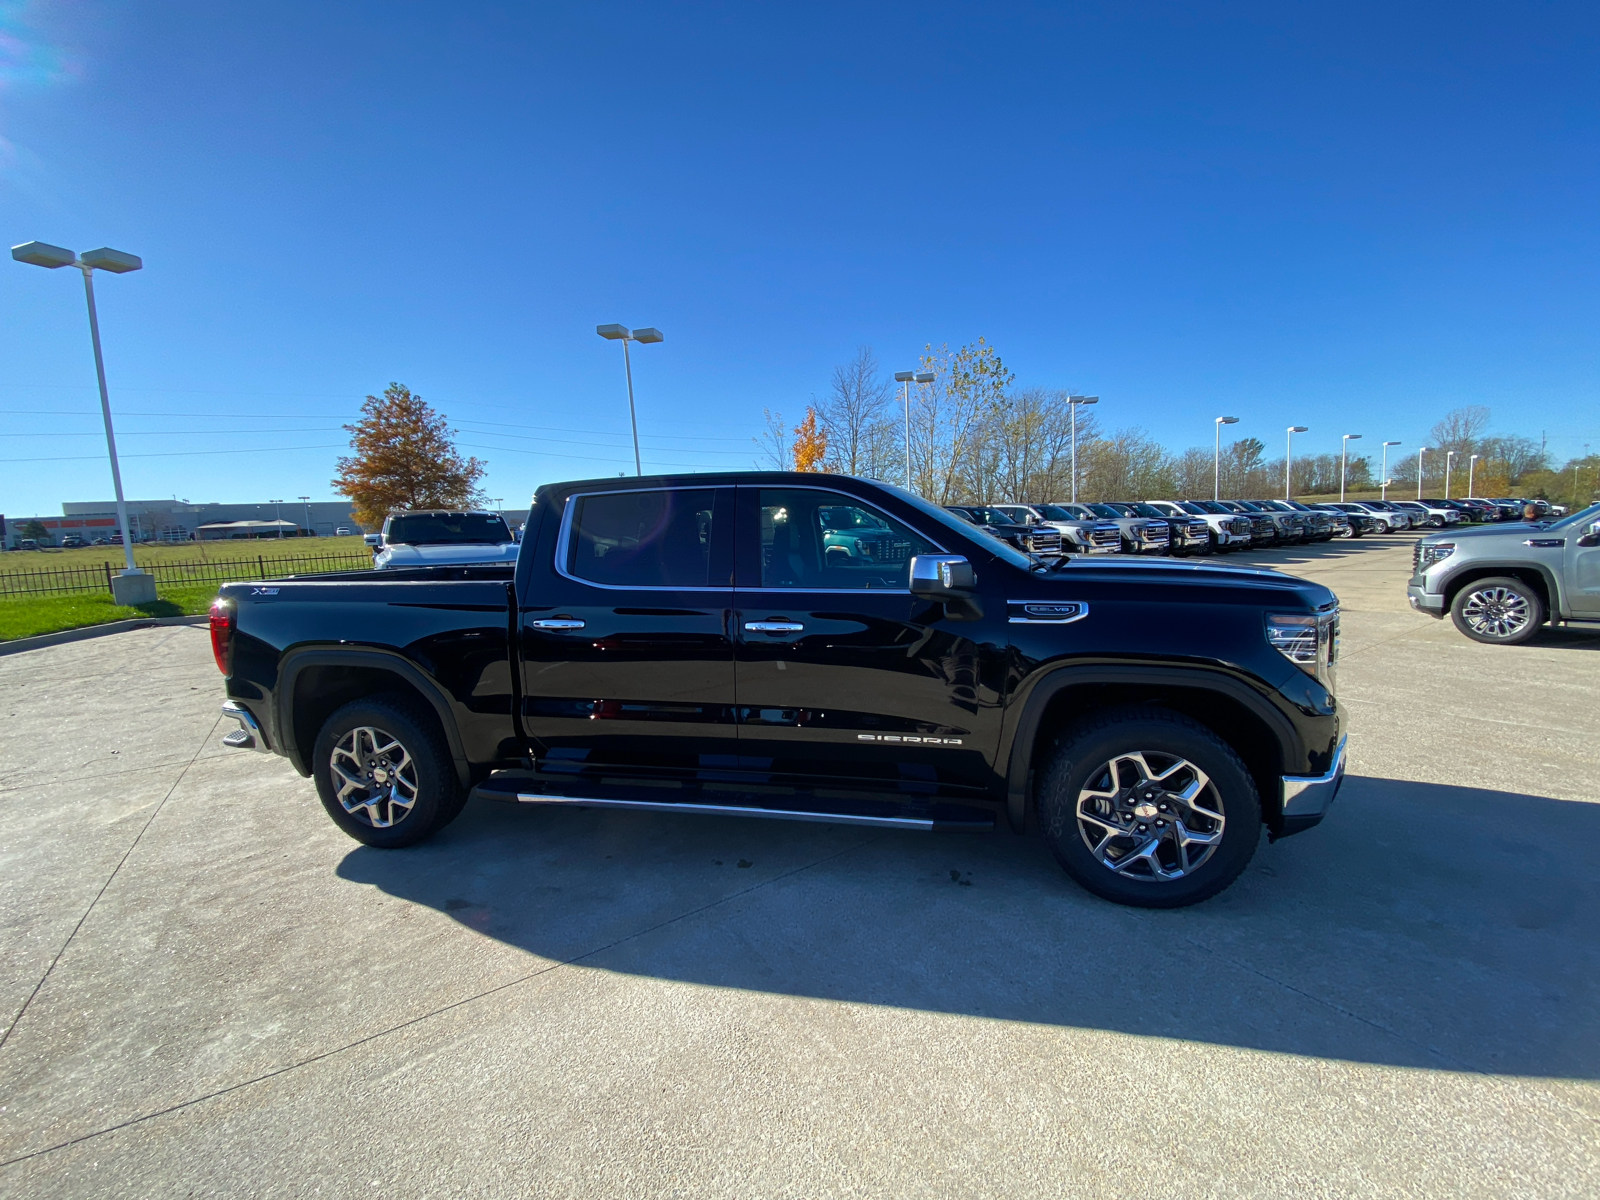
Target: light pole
[1216,462]
[1472,472]
[905,379]
[621,333]
[140,590]
[1385,468]
[1072,406]
[1344,458]
[277,518]
[1288,455]
[1420,452]
[305,502]
[1448,455]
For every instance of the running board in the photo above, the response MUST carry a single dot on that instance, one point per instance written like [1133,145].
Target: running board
[927,824]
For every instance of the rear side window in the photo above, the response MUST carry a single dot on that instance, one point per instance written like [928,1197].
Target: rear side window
[658,539]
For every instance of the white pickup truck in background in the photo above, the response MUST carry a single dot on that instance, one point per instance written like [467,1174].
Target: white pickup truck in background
[441,538]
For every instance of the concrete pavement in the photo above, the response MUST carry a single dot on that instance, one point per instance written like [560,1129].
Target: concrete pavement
[219,993]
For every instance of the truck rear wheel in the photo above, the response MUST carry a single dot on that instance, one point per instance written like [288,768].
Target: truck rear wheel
[1499,611]
[1145,807]
[384,773]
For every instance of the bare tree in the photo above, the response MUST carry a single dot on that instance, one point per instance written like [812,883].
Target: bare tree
[773,443]
[855,417]
[952,418]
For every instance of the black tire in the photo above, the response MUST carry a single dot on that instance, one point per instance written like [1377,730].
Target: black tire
[1082,756]
[425,773]
[1498,611]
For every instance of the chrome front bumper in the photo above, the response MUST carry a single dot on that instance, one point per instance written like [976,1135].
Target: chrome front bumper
[248,735]
[1306,797]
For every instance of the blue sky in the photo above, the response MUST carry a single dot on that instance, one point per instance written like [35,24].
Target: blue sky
[1348,217]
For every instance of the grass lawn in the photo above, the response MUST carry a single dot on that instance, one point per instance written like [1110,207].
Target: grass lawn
[148,556]
[26,616]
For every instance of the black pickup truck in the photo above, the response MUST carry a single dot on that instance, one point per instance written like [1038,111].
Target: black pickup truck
[687,643]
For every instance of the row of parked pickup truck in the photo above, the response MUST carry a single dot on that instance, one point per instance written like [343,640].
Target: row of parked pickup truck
[1183,527]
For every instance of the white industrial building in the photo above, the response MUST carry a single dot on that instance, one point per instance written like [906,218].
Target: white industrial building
[181,521]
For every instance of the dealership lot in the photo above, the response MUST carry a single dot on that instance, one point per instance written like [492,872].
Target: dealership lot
[220,993]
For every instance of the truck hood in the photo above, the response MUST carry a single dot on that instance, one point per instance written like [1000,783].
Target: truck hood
[435,556]
[1515,533]
[1195,578]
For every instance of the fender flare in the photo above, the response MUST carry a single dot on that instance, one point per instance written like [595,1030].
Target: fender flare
[1552,585]
[296,661]
[1021,731]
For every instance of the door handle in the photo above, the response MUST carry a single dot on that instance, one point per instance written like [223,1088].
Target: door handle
[557,623]
[773,627]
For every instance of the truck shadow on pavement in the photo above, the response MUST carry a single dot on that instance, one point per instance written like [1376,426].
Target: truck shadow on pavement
[1420,926]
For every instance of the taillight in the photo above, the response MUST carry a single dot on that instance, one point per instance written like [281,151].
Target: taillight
[222,621]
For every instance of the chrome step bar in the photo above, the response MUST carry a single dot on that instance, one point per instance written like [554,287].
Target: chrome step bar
[730,810]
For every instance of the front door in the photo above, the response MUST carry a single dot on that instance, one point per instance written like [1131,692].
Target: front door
[627,662]
[1583,574]
[844,676]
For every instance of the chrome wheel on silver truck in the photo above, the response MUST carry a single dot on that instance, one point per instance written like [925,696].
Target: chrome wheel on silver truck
[1146,806]
[1498,611]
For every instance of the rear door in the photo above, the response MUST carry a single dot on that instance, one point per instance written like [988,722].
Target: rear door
[1582,575]
[842,674]
[627,662]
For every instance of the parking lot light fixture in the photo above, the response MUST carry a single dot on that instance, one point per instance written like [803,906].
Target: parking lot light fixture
[42,254]
[277,517]
[1072,406]
[905,379]
[1383,471]
[1472,472]
[1288,456]
[305,502]
[647,336]
[1344,458]
[1216,461]
[1420,452]
[1449,456]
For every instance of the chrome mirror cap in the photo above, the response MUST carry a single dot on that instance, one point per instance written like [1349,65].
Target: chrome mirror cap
[942,576]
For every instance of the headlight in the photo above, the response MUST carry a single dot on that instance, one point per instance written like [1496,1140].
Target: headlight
[1309,642]
[1435,553]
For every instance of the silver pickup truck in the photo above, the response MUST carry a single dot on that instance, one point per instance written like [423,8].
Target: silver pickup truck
[1500,583]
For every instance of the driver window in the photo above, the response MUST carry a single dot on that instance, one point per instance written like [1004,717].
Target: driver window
[817,539]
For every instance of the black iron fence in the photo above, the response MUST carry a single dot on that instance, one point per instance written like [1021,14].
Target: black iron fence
[97,578]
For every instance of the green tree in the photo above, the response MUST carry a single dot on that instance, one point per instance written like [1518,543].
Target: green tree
[33,529]
[404,457]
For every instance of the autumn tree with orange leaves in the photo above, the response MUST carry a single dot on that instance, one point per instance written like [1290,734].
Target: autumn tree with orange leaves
[810,443]
[403,456]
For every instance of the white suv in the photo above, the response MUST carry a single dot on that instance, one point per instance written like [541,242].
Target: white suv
[1427,514]
[441,538]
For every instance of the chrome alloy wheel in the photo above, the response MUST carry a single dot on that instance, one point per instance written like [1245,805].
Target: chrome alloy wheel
[1150,816]
[1497,612]
[375,776]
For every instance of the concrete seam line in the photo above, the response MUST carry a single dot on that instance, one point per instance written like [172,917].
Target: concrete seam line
[132,846]
[421,1017]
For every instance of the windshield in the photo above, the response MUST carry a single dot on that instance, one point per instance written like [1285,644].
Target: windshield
[1148,510]
[1591,513]
[951,521]
[1189,506]
[1105,510]
[446,529]
[1270,506]
[989,516]
[1054,512]
[835,519]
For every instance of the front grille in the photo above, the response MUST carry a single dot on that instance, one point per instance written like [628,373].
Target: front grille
[1239,525]
[887,549]
[1416,556]
[1261,526]
[1045,541]
[1106,535]
[1157,533]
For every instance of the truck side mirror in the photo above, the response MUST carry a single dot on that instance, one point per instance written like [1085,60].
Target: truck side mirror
[1591,535]
[942,577]
[372,539]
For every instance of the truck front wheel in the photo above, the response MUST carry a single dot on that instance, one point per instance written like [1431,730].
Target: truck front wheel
[1499,611]
[384,773]
[1146,807]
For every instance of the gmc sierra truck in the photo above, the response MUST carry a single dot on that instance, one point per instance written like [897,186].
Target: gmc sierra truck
[692,644]
[1501,583]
